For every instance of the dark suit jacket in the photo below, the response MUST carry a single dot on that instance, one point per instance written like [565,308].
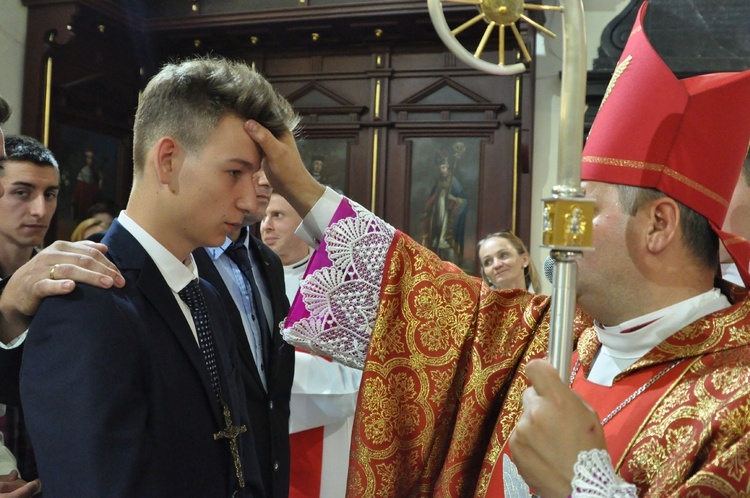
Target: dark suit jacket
[117,397]
[269,411]
[10,366]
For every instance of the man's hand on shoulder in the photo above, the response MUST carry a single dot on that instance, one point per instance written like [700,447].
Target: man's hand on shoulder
[54,271]
[13,487]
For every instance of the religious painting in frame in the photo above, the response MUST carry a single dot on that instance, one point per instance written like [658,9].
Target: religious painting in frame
[326,159]
[444,195]
[88,173]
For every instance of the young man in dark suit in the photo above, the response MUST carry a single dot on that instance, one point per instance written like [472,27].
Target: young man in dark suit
[30,176]
[137,391]
[267,362]
[32,280]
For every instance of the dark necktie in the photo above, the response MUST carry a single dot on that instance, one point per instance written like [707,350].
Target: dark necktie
[193,297]
[237,252]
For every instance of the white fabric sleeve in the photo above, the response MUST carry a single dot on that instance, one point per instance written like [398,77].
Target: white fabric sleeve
[324,392]
[15,342]
[317,220]
[7,461]
[595,477]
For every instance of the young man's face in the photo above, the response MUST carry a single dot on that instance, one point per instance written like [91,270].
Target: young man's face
[263,193]
[29,202]
[217,186]
[277,230]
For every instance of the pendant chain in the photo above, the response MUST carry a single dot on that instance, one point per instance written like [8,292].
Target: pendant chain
[630,398]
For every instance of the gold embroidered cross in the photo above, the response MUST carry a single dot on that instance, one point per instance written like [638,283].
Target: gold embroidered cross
[231,432]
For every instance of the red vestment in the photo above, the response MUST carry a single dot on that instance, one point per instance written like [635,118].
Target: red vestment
[443,381]
[444,375]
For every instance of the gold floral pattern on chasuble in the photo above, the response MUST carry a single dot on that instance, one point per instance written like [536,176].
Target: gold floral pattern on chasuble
[649,462]
[696,442]
[442,389]
[740,334]
[734,425]
[441,352]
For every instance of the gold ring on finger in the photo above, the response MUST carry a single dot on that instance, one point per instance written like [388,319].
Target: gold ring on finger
[52,272]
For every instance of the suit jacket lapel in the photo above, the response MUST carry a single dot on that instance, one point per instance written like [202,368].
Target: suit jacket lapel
[208,271]
[280,307]
[265,276]
[128,254]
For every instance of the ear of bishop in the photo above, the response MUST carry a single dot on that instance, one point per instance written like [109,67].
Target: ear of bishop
[686,138]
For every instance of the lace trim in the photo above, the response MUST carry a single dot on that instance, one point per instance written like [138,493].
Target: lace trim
[342,299]
[513,484]
[596,478]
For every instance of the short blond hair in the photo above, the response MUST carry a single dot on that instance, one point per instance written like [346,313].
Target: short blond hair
[186,100]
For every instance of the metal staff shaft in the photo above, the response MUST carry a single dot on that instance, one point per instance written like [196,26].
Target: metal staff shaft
[562,313]
[567,226]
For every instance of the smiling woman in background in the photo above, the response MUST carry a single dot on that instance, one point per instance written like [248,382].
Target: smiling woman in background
[506,263]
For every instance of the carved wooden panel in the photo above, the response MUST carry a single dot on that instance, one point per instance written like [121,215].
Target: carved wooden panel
[382,101]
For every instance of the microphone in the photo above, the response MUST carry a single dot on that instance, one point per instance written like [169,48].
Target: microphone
[549,268]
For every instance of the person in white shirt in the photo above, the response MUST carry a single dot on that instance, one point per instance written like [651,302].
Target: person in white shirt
[324,392]
[277,232]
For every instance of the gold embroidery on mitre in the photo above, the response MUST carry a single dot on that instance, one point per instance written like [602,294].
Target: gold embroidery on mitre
[625,163]
[734,240]
[621,67]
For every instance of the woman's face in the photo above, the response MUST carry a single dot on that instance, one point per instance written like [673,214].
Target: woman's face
[502,265]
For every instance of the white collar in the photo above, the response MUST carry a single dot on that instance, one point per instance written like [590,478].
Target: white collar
[176,273]
[301,262]
[730,273]
[659,325]
[621,349]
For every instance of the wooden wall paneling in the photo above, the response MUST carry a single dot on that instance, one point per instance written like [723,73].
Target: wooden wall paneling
[383,81]
[524,124]
[46,25]
[87,101]
[332,93]
[489,109]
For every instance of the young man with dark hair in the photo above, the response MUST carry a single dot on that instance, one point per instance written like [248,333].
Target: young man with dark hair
[30,177]
[20,296]
[53,271]
[154,403]
[28,197]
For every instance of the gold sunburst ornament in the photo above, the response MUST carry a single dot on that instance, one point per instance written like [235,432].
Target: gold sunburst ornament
[498,15]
